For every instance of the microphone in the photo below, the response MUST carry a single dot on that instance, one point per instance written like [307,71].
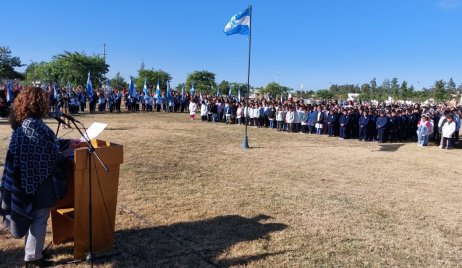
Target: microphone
[70,118]
[57,118]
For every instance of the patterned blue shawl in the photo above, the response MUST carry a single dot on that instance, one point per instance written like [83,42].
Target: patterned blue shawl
[32,157]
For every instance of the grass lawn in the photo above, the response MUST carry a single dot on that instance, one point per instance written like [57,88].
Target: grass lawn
[190,196]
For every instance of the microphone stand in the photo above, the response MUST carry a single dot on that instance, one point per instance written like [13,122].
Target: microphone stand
[91,152]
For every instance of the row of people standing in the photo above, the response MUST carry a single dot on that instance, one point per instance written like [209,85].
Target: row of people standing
[365,123]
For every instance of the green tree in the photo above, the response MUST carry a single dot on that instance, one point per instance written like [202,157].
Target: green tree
[204,82]
[404,91]
[439,91]
[224,87]
[324,94]
[73,67]
[394,90]
[8,64]
[274,90]
[118,82]
[451,86]
[152,76]
[36,71]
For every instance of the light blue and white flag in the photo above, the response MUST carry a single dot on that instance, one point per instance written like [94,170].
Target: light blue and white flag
[158,91]
[192,91]
[55,91]
[69,88]
[145,90]
[108,88]
[182,93]
[89,87]
[229,92]
[239,95]
[131,88]
[169,91]
[218,92]
[239,23]
[9,92]
[200,97]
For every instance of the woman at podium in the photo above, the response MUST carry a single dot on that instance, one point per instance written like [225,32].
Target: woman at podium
[32,181]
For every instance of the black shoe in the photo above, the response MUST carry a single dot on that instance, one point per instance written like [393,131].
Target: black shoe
[46,255]
[39,263]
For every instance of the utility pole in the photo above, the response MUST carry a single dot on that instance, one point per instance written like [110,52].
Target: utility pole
[104,53]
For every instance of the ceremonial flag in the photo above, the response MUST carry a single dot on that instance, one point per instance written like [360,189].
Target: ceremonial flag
[239,95]
[89,87]
[182,93]
[69,88]
[108,88]
[239,23]
[192,91]
[169,91]
[9,92]
[218,91]
[229,92]
[200,96]
[131,88]
[145,90]
[55,91]
[158,91]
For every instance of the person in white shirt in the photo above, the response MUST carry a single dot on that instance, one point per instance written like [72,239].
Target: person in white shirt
[192,109]
[447,131]
[204,110]
[290,117]
[239,114]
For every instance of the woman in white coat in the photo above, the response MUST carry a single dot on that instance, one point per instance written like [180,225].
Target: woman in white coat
[192,109]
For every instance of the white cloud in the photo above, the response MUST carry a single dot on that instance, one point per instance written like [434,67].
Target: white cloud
[449,4]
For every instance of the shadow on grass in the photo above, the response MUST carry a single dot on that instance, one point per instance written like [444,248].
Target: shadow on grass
[390,147]
[199,243]
[203,243]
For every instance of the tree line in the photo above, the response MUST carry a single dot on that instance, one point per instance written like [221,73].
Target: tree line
[73,67]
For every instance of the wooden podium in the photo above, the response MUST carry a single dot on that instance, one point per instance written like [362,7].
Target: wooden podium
[70,216]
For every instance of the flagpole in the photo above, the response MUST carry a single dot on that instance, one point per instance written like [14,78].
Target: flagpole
[245,144]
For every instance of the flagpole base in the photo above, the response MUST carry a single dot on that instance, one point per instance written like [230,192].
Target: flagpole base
[245,144]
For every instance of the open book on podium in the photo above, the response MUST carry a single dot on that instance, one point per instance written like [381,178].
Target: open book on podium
[70,216]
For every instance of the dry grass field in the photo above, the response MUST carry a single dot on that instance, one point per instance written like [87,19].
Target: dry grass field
[189,196]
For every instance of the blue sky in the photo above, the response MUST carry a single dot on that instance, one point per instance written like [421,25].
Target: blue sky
[315,43]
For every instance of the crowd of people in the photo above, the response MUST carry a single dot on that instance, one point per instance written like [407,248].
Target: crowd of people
[381,123]
[364,121]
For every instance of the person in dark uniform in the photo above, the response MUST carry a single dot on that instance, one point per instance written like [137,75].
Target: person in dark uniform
[382,127]
[364,122]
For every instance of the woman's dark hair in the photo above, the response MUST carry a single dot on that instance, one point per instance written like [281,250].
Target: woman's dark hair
[30,102]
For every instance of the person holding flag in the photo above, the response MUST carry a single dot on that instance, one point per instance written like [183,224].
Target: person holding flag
[158,97]
[90,94]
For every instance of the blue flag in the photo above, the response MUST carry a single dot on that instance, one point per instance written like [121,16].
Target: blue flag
[108,88]
[193,91]
[169,91]
[55,90]
[182,93]
[239,23]
[218,92]
[131,88]
[145,90]
[9,92]
[68,88]
[89,87]
[158,91]
[229,92]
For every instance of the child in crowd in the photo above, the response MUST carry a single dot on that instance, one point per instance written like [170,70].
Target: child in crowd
[423,131]
[447,131]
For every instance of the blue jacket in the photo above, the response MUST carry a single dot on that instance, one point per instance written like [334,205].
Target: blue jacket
[382,122]
[345,120]
[364,121]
